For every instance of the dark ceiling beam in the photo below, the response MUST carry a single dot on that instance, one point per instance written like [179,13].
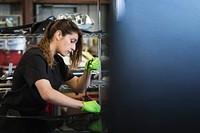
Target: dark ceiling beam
[56,1]
[10,1]
[70,1]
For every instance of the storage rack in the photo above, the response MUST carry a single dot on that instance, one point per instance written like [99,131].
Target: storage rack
[38,36]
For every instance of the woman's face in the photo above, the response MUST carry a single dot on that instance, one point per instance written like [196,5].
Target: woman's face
[67,44]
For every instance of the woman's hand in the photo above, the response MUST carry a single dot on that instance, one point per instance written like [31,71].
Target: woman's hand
[91,106]
[93,64]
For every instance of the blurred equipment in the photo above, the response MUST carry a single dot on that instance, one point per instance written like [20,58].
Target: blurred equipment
[11,50]
[83,21]
[39,27]
[9,20]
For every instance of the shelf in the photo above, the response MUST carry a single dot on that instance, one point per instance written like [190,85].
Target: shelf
[5,36]
[28,5]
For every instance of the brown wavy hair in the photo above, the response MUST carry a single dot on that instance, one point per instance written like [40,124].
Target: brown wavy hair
[66,26]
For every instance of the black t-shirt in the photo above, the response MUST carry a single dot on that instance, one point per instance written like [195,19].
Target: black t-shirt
[24,95]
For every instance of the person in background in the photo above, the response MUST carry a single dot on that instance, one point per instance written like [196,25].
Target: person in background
[41,71]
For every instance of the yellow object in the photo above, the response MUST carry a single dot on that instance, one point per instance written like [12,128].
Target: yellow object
[87,55]
[95,41]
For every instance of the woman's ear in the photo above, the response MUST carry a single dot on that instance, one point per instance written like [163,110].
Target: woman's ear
[58,35]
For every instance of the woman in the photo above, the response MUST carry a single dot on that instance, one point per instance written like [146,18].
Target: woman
[41,71]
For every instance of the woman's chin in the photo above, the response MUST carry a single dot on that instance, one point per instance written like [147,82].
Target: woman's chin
[64,55]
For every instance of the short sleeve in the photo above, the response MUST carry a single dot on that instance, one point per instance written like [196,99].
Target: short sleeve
[35,68]
[70,74]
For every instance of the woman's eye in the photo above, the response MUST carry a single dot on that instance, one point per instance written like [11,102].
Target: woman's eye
[73,41]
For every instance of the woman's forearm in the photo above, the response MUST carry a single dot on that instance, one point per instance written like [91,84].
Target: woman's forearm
[80,84]
[60,99]
[55,97]
[84,81]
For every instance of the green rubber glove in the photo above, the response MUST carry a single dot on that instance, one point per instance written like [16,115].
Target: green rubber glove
[93,64]
[91,106]
[96,125]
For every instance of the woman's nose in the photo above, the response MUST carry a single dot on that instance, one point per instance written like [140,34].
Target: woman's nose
[73,47]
